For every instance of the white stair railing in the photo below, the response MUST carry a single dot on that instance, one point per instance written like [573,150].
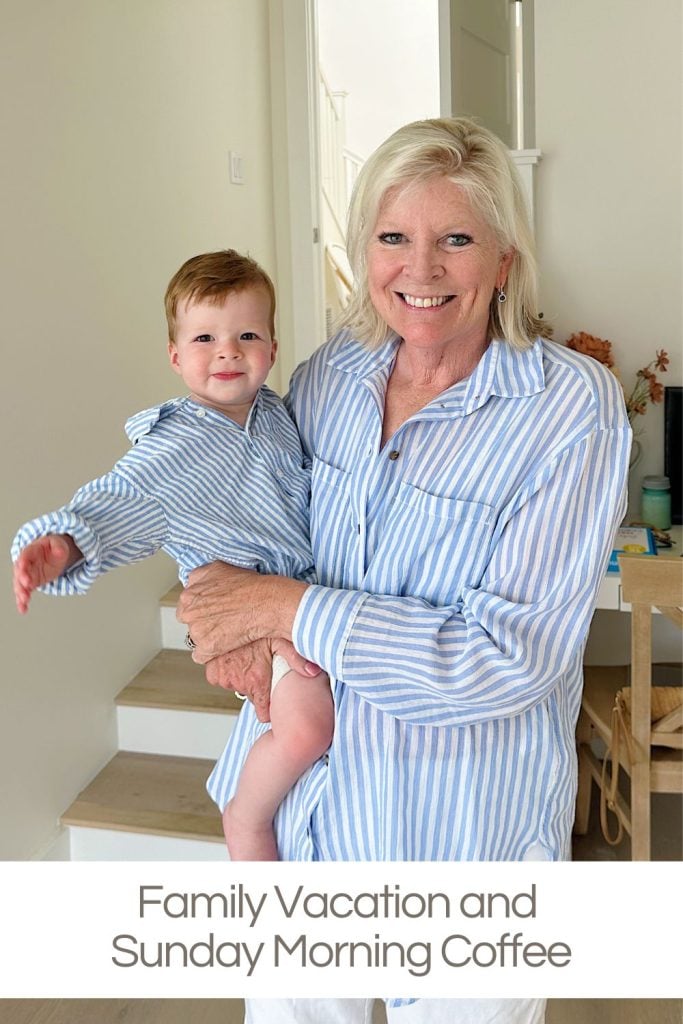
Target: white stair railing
[352,165]
[339,164]
[332,137]
[339,170]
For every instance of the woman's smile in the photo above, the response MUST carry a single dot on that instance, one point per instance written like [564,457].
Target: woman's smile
[425,302]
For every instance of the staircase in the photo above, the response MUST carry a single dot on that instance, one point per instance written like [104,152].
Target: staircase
[339,169]
[149,801]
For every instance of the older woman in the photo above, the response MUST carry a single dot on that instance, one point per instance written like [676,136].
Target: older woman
[468,476]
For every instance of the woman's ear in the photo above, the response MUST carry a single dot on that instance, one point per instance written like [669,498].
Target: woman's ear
[504,267]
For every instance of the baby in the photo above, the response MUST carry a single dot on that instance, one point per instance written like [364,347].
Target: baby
[216,475]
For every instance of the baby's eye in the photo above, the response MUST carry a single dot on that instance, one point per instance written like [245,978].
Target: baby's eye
[391,237]
[457,241]
[248,336]
[203,337]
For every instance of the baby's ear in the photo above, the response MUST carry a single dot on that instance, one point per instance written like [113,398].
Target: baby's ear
[173,356]
[273,351]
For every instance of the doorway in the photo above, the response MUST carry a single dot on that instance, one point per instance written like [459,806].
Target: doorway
[378,68]
[434,32]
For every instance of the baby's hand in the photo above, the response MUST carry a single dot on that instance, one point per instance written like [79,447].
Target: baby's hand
[40,562]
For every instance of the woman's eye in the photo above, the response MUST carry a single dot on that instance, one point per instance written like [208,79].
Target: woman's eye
[458,240]
[203,337]
[391,237]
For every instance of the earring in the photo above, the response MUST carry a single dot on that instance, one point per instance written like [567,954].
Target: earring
[502,297]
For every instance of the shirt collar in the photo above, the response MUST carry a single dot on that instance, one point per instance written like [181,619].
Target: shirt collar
[352,357]
[503,371]
[144,422]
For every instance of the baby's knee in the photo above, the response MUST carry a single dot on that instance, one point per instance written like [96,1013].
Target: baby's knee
[306,737]
[310,738]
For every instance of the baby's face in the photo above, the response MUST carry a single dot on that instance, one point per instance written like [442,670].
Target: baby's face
[224,351]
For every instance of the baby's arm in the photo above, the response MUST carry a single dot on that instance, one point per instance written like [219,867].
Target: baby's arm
[41,562]
[111,522]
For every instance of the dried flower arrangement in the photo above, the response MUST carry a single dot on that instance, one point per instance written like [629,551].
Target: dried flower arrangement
[646,389]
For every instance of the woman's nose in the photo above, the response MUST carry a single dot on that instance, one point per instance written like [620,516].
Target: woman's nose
[424,263]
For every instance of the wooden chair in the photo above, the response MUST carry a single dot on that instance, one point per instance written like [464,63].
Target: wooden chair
[642,727]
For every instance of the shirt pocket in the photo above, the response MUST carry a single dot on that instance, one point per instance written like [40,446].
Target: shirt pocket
[432,546]
[332,528]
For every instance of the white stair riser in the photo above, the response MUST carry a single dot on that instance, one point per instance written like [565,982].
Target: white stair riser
[104,844]
[172,632]
[180,733]
[156,731]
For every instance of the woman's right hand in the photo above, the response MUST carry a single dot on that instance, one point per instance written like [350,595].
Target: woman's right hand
[248,671]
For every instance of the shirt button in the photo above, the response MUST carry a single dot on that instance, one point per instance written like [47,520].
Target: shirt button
[394,455]
[201,413]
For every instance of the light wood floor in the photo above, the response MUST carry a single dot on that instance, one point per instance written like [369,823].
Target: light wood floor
[229,1011]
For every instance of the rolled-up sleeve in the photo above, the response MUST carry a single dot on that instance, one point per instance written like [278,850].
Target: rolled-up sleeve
[111,521]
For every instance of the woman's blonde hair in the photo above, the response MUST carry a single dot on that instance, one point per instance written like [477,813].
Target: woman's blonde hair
[477,161]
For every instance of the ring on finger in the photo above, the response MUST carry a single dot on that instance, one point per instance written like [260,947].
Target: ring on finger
[189,642]
[240,696]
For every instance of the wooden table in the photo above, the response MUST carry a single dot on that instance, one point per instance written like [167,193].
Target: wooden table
[609,595]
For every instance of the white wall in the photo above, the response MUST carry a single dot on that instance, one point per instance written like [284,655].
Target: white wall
[385,54]
[608,122]
[117,118]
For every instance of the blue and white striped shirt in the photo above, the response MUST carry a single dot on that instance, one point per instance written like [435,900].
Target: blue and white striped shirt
[197,485]
[458,568]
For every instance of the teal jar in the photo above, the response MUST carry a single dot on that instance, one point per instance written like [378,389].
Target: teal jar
[655,502]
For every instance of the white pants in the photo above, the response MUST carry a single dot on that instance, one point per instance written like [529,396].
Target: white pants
[424,1011]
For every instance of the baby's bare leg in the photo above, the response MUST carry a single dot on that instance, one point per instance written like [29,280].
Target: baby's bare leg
[302,724]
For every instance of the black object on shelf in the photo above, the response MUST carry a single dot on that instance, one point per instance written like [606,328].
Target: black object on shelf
[673,448]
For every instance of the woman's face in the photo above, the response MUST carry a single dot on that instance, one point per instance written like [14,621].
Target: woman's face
[433,264]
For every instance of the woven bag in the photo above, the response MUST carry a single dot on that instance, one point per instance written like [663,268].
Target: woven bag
[663,700]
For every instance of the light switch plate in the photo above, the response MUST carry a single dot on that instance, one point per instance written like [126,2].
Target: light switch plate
[236,169]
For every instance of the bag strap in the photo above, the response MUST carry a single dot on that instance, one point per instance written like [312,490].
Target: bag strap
[609,789]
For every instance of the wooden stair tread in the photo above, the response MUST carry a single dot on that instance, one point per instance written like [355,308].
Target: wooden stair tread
[172,680]
[150,793]
[170,599]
